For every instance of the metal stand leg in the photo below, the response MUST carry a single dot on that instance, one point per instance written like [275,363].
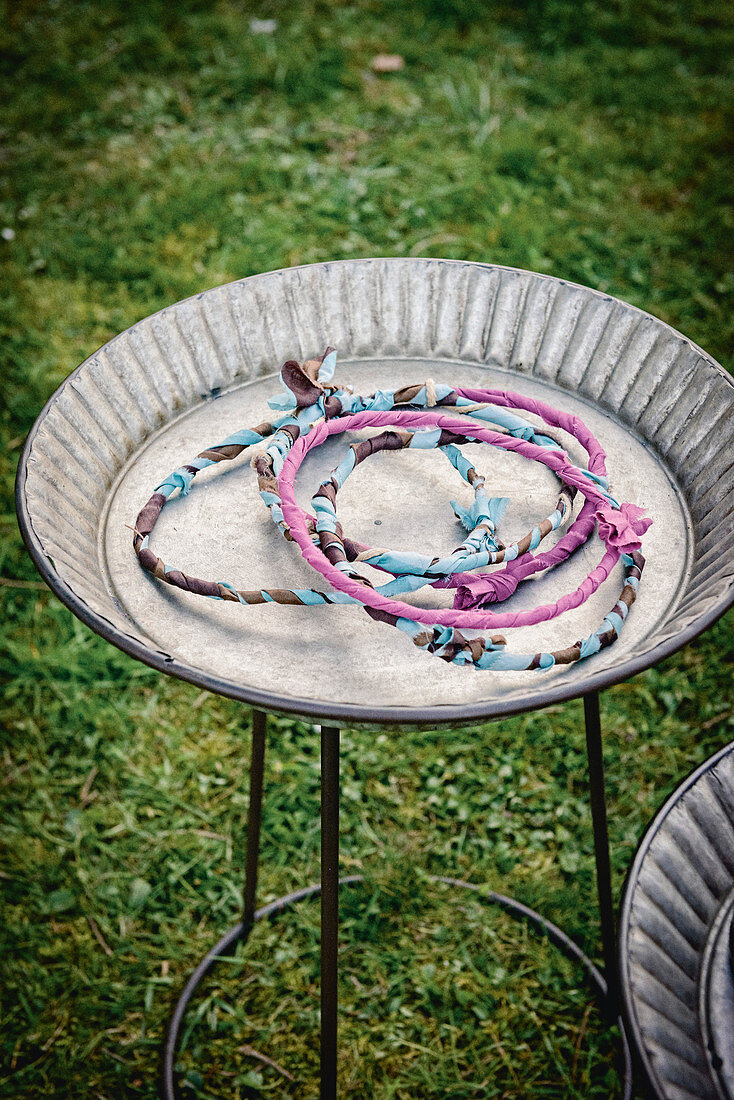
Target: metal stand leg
[254,818]
[601,850]
[329,907]
[168,1087]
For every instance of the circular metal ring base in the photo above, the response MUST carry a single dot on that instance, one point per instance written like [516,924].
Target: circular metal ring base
[240,932]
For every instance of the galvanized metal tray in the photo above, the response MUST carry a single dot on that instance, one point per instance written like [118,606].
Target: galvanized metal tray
[187,376]
[677,935]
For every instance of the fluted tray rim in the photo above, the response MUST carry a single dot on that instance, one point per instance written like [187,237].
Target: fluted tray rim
[398,261]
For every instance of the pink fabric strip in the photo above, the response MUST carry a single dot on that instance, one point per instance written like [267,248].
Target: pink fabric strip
[556,417]
[415,420]
[504,581]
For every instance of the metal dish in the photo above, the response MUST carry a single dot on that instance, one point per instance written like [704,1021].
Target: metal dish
[675,953]
[183,378]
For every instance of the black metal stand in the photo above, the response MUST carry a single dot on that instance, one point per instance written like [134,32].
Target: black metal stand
[598,799]
[226,945]
[606,985]
[254,819]
[329,907]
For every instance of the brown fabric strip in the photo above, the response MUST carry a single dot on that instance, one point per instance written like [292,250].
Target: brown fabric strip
[569,655]
[148,516]
[222,454]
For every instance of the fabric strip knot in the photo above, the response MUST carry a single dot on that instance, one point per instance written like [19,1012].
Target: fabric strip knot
[621,528]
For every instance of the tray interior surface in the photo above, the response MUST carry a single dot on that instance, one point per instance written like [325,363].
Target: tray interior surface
[221,530]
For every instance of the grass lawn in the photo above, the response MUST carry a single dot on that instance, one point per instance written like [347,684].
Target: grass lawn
[151,150]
